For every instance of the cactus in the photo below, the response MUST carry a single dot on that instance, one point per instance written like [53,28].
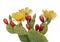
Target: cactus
[35,36]
[10,28]
[45,28]
[32,35]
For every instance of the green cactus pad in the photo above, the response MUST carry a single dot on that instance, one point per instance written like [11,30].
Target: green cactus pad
[10,28]
[24,38]
[20,30]
[35,36]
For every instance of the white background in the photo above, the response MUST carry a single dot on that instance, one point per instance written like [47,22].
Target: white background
[9,6]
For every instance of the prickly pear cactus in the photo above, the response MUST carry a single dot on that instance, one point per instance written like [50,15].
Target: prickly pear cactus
[32,34]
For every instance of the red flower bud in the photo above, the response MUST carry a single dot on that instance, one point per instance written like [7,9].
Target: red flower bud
[5,21]
[36,26]
[28,17]
[28,26]
[41,28]
[41,18]
[12,23]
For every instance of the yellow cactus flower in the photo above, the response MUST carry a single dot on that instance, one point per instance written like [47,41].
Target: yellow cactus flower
[18,16]
[22,11]
[49,14]
[26,11]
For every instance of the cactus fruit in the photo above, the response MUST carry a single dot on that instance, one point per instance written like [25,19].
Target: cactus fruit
[12,23]
[28,17]
[32,35]
[28,26]
[41,28]
[41,18]
[5,21]
[37,27]
[44,31]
